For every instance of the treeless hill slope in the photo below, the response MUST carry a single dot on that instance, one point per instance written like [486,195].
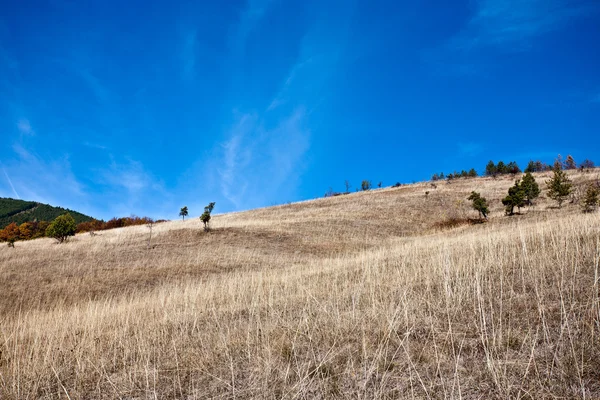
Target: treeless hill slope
[363,295]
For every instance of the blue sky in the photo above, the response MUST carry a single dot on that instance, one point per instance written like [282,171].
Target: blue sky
[141,107]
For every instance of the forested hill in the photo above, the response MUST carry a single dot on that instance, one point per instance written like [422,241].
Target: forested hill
[20,211]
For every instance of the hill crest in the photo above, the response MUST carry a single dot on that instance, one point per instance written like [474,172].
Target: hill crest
[20,211]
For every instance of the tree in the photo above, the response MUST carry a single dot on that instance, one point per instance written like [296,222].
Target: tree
[513,168]
[61,228]
[515,198]
[530,188]
[591,199]
[347,184]
[530,167]
[570,163]
[10,234]
[183,212]
[501,168]
[587,164]
[472,173]
[491,169]
[205,217]
[365,185]
[558,162]
[26,231]
[479,204]
[559,186]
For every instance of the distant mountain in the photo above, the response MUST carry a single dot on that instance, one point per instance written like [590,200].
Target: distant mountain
[20,211]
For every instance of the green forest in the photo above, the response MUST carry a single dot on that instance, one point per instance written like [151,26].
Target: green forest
[20,211]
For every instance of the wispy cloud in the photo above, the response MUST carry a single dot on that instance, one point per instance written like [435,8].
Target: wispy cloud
[24,127]
[503,25]
[45,180]
[130,176]
[514,23]
[132,189]
[259,164]
[10,183]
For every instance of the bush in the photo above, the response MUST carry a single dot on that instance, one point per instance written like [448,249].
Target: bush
[366,185]
[61,228]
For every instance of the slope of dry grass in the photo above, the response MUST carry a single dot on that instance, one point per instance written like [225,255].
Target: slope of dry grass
[357,296]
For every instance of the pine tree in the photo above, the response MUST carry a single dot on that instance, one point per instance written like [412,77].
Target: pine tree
[530,166]
[559,186]
[530,188]
[479,204]
[587,164]
[515,198]
[490,169]
[513,168]
[591,199]
[501,168]
[570,163]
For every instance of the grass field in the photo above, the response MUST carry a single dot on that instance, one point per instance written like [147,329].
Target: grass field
[368,295]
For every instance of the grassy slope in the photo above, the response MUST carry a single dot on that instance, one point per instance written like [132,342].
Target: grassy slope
[352,296]
[20,211]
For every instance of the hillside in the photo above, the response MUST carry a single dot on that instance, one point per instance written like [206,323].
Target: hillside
[389,293]
[20,211]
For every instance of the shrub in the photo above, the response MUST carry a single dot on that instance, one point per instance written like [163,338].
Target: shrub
[61,228]
[365,185]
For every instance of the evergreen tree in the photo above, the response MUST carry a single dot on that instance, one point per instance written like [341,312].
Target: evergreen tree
[530,188]
[501,167]
[591,199]
[183,212]
[515,198]
[530,167]
[570,163]
[513,168]
[491,169]
[61,228]
[472,173]
[479,204]
[587,164]
[559,186]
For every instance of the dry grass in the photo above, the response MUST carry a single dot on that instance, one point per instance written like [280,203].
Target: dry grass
[358,296]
